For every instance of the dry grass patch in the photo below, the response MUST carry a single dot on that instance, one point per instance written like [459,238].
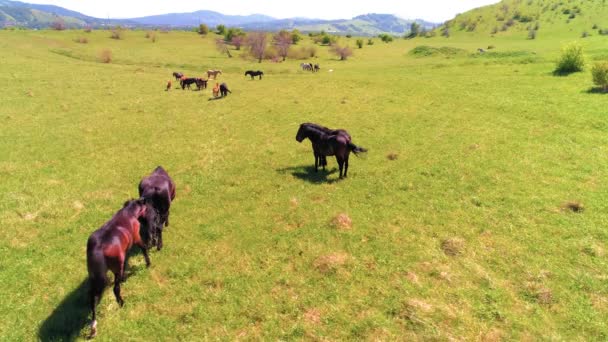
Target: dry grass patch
[105,56]
[453,246]
[342,222]
[392,156]
[331,262]
[313,316]
[493,335]
[599,302]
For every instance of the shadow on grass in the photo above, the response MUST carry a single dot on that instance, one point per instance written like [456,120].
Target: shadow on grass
[563,73]
[68,319]
[215,98]
[596,90]
[307,173]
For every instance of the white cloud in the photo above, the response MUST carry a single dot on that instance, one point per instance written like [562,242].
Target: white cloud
[432,10]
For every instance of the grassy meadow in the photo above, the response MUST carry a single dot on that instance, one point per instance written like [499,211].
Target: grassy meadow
[455,226]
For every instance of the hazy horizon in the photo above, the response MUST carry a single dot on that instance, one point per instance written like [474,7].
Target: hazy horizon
[430,10]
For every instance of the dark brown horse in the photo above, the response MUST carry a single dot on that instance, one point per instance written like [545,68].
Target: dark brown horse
[159,189]
[107,249]
[321,160]
[254,73]
[177,75]
[325,144]
[224,90]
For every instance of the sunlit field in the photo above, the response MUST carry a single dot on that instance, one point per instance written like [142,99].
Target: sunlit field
[479,212]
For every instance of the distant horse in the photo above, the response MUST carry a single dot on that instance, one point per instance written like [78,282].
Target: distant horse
[329,145]
[224,90]
[159,189]
[320,159]
[316,68]
[306,66]
[187,82]
[168,85]
[201,83]
[254,73]
[107,248]
[214,73]
[216,90]
[177,75]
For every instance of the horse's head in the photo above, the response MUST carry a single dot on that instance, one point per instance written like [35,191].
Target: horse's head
[136,207]
[301,135]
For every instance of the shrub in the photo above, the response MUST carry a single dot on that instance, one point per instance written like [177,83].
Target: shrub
[88,29]
[105,56]
[203,29]
[342,51]
[532,34]
[349,36]
[81,40]
[585,34]
[571,59]
[220,29]
[600,75]
[116,34]
[594,26]
[385,37]
[326,40]
[360,43]
[370,42]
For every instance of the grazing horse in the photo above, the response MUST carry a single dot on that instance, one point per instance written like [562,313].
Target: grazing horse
[224,90]
[306,66]
[254,73]
[214,73]
[178,75]
[158,189]
[329,145]
[107,248]
[201,83]
[316,68]
[187,82]
[320,160]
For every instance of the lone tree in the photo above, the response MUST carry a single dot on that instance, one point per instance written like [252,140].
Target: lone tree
[203,29]
[342,51]
[220,29]
[58,24]
[257,44]
[282,42]
[222,47]
[237,41]
[414,30]
[296,36]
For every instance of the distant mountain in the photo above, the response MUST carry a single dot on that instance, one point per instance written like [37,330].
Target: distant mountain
[209,18]
[368,25]
[39,16]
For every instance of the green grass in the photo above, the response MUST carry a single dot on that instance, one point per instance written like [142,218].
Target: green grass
[486,152]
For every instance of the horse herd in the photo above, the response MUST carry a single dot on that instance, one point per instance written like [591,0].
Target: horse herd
[140,221]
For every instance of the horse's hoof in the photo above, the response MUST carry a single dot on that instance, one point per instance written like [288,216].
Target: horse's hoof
[121,303]
[93,329]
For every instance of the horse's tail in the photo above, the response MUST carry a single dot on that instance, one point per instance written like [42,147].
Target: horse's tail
[356,149]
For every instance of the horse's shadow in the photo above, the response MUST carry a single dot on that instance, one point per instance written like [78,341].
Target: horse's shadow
[67,320]
[215,98]
[307,173]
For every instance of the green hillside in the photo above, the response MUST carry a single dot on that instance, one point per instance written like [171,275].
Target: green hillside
[564,19]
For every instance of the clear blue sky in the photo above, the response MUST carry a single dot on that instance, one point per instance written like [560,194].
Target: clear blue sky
[432,10]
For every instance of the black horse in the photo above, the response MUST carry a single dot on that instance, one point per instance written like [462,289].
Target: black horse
[201,83]
[186,82]
[316,68]
[224,90]
[324,144]
[158,189]
[177,75]
[320,160]
[254,73]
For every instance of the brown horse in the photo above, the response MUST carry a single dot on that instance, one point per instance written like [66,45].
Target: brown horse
[214,73]
[107,249]
[159,189]
[325,144]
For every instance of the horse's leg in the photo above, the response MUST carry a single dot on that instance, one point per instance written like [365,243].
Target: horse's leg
[118,277]
[346,164]
[95,292]
[159,245]
[316,162]
[144,250]
[340,164]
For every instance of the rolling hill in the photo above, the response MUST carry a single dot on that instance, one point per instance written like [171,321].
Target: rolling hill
[575,18]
